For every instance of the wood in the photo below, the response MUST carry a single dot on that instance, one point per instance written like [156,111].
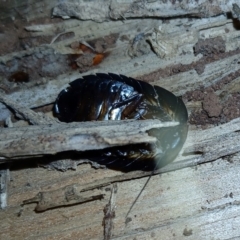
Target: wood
[124,9]
[202,142]
[194,197]
[35,141]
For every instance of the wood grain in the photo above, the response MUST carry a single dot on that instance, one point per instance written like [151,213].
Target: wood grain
[195,197]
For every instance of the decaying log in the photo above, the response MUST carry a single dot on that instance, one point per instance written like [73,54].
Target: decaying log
[52,137]
[197,195]
[103,10]
[108,9]
[179,83]
[42,140]
[201,147]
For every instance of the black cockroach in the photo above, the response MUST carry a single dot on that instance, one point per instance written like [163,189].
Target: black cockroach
[116,97]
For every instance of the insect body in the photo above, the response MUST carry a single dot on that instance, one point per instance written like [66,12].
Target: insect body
[116,97]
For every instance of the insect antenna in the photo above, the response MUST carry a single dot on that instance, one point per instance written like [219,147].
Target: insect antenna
[140,193]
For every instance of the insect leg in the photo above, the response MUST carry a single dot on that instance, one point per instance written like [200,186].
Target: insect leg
[136,98]
[138,196]
[135,101]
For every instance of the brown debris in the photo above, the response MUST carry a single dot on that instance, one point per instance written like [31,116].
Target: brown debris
[215,108]
[200,117]
[195,95]
[19,76]
[91,53]
[211,104]
[100,45]
[85,62]
[231,108]
[210,46]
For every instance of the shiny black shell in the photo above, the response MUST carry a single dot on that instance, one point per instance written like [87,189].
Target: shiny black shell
[116,97]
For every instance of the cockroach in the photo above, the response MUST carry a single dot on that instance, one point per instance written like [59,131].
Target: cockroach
[110,96]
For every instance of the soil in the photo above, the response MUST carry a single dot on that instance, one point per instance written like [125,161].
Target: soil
[210,47]
[211,104]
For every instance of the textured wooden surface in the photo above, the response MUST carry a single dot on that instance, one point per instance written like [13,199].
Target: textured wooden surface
[44,140]
[195,197]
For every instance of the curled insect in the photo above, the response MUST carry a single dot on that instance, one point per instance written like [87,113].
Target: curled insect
[116,97]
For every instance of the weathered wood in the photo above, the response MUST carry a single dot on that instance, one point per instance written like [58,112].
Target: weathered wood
[201,147]
[27,114]
[52,137]
[103,10]
[177,83]
[189,199]
[42,140]
[25,10]
[196,196]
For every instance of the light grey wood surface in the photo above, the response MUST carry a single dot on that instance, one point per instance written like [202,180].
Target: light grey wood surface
[195,197]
